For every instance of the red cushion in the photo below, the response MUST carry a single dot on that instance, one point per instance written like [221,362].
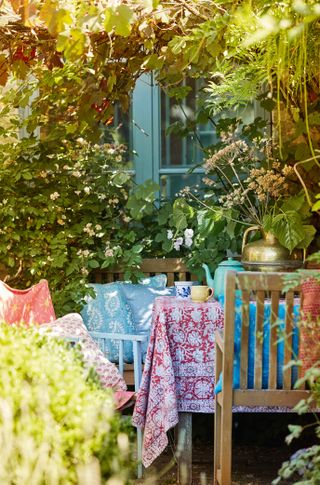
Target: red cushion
[310,323]
[29,306]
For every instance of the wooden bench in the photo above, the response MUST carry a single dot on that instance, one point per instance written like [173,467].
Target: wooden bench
[263,287]
[175,270]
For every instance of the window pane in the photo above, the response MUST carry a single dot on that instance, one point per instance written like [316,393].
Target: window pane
[171,184]
[177,151]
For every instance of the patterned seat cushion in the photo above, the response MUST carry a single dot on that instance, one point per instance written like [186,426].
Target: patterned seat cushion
[71,326]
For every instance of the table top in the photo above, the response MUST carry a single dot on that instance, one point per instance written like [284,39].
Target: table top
[179,369]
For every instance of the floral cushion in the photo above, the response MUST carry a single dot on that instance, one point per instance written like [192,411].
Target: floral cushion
[71,326]
[111,312]
[310,324]
[141,298]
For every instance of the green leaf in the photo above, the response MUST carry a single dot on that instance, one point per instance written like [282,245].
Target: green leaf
[183,206]
[119,20]
[121,178]
[316,206]
[164,214]
[167,246]
[93,264]
[179,220]
[294,203]
[26,176]
[288,229]
[310,232]
[146,191]
[295,432]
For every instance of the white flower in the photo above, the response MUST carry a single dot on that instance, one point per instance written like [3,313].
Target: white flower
[102,196]
[80,141]
[177,243]
[98,227]
[188,233]
[54,196]
[188,242]
[169,234]
[88,229]
[87,190]
[108,253]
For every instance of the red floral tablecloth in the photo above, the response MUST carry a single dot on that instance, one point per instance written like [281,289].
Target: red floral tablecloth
[179,369]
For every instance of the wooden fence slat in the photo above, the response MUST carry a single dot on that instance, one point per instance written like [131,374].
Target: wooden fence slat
[288,339]
[259,339]
[275,297]
[244,339]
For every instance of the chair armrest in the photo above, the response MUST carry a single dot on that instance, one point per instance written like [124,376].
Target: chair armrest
[219,339]
[120,336]
[136,340]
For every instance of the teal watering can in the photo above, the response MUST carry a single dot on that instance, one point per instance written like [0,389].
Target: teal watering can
[218,282]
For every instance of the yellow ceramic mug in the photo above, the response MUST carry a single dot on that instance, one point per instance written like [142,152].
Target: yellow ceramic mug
[201,293]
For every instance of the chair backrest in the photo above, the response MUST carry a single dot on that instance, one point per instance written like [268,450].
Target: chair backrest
[174,268]
[261,295]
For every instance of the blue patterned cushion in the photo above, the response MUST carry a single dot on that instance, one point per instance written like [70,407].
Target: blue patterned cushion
[141,298]
[158,281]
[109,312]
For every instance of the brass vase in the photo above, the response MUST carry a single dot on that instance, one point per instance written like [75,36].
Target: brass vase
[268,254]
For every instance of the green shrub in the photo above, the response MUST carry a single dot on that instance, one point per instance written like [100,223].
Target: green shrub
[61,214]
[57,426]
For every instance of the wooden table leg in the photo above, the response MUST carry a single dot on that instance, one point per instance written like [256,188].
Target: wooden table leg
[183,438]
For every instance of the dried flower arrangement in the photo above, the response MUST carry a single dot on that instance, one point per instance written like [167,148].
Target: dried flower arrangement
[255,188]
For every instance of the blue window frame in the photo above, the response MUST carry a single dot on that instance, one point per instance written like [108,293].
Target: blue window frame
[165,157]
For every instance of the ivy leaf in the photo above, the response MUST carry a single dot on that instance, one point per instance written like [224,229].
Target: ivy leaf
[118,19]
[73,46]
[56,19]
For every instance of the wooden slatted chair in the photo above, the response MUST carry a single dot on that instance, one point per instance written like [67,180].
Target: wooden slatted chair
[261,287]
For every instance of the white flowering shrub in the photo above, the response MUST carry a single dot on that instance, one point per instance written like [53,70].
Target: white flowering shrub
[62,214]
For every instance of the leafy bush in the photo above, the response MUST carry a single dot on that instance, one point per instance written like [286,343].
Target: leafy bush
[62,214]
[304,465]
[57,426]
